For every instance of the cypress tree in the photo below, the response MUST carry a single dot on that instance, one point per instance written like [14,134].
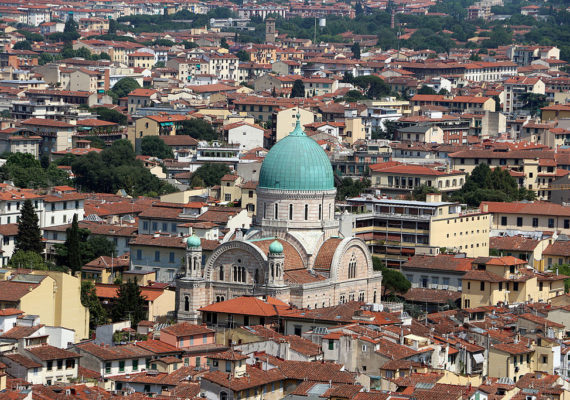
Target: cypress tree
[298,89]
[29,237]
[72,243]
[129,304]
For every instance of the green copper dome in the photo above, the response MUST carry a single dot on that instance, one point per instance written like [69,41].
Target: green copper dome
[276,247]
[296,162]
[193,241]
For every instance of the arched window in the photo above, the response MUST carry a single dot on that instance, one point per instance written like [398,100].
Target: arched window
[320,212]
[186,303]
[256,276]
[221,277]
[223,396]
[235,273]
[374,298]
[290,212]
[272,268]
[329,211]
[264,210]
[352,267]
[306,212]
[276,211]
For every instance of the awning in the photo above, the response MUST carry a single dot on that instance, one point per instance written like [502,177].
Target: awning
[478,358]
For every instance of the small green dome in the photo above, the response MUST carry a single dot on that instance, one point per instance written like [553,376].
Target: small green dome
[276,247]
[296,162]
[193,241]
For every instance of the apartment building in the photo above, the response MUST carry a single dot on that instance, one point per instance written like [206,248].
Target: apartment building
[506,280]
[393,177]
[56,135]
[395,230]
[516,87]
[535,216]
[444,271]
[472,104]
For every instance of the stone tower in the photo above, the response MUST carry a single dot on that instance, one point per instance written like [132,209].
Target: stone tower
[270,34]
[190,288]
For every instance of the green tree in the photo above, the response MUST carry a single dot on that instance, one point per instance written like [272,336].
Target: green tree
[420,192]
[89,299]
[348,187]
[211,174]
[154,146]
[110,115]
[99,245]
[22,45]
[70,25]
[199,129]
[124,87]
[112,27]
[129,304]
[426,90]
[224,43]
[45,58]
[485,184]
[358,10]
[533,102]
[27,259]
[298,89]
[69,31]
[197,182]
[355,48]
[243,56]
[72,243]
[29,236]
[373,86]
[115,168]
[393,281]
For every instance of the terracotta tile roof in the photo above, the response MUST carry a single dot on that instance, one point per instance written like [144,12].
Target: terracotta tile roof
[9,229]
[447,262]
[558,248]
[326,252]
[314,371]
[186,329]
[541,321]
[108,291]
[394,351]
[228,355]
[179,140]
[158,347]
[414,379]
[142,92]
[479,275]
[46,352]
[11,291]
[513,348]
[95,122]
[158,241]
[293,259]
[46,122]
[300,276]
[303,346]
[108,353]
[10,311]
[24,361]
[433,296]
[248,305]
[417,170]
[20,332]
[255,378]
[516,243]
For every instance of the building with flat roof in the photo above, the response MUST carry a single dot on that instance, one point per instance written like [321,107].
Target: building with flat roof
[396,230]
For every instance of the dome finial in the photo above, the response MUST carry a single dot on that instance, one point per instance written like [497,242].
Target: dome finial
[298,131]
